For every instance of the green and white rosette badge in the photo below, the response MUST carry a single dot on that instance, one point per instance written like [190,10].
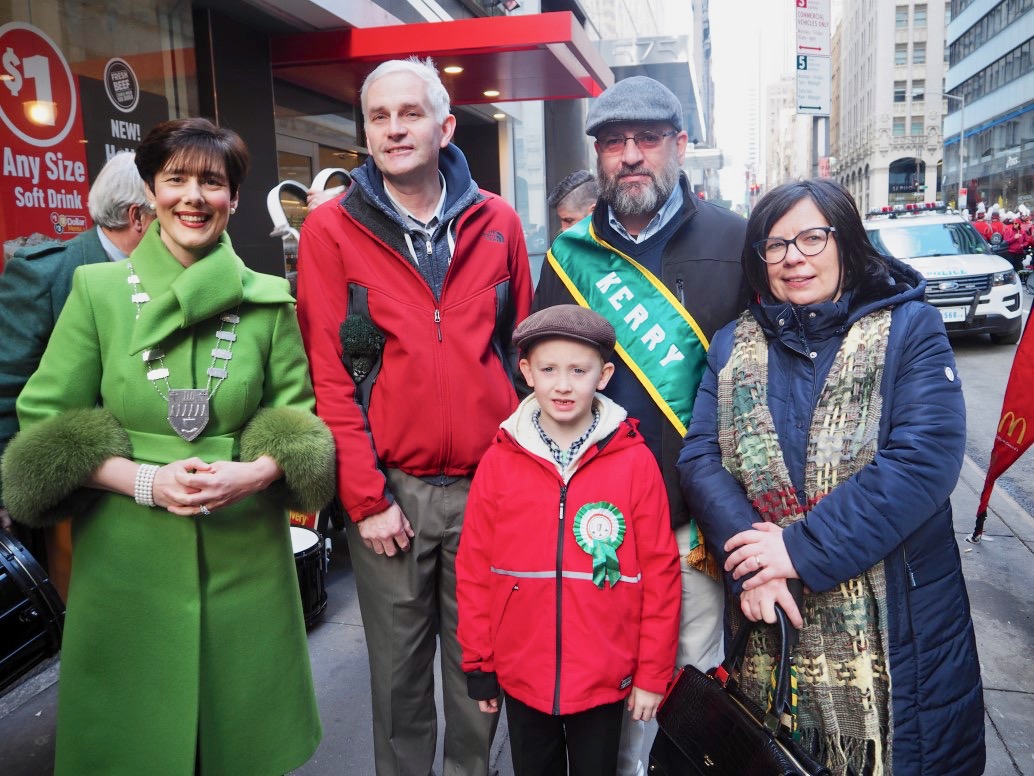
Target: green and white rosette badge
[599,528]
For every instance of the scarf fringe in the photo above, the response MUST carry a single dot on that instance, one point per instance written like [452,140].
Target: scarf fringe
[704,562]
[844,755]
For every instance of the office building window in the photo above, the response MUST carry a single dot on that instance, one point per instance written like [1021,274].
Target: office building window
[919,16]
[918,53]
[899,91]
[899,126]
[901,54]
[918,90]
[917,126]
[901,16]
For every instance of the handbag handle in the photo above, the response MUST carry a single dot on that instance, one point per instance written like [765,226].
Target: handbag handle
[788,637]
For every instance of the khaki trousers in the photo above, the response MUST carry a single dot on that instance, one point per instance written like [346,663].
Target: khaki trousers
[408,605]
[701,634]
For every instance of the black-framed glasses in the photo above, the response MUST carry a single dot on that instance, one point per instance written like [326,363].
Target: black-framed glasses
[810,242]
[646,141]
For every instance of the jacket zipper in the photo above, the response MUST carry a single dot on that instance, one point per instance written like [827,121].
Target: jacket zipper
[559,595]
[438,322]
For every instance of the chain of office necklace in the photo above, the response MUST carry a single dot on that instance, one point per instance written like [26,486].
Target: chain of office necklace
[188,407]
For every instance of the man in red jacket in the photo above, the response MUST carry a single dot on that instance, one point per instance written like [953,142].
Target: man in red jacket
[409,288]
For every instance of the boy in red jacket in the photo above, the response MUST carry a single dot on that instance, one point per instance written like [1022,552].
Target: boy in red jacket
[567,574]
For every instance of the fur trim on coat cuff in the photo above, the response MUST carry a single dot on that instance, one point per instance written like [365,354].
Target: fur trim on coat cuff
[45,466]
[483,685]
[302,446]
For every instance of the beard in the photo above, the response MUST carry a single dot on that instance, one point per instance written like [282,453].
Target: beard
[638,199]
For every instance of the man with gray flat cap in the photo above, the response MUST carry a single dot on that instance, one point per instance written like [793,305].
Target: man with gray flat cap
[664,268]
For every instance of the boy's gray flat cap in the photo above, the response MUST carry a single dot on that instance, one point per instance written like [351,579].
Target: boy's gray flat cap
[567,321]
[638,98]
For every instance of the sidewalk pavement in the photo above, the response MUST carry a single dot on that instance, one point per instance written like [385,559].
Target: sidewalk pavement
[999,575]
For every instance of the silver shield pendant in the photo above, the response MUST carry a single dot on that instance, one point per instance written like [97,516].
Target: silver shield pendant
[188,411]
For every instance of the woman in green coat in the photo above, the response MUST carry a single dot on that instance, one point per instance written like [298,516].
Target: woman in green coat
[171,418]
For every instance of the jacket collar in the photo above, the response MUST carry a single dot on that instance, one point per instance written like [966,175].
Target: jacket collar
[886,287]
[184,296]
[461,189]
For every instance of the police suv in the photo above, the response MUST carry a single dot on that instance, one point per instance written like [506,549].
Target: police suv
[976,291]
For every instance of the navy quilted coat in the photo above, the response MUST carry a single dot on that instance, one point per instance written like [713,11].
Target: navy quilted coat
[896,508]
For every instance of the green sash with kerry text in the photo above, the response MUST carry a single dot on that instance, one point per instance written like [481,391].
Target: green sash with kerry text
[656,337]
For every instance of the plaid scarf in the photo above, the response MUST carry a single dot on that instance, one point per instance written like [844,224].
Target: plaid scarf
[844,714]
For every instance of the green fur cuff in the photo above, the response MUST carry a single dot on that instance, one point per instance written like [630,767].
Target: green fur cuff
[303,447]
[45,466]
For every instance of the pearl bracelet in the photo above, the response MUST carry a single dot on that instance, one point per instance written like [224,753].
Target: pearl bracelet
[143,488]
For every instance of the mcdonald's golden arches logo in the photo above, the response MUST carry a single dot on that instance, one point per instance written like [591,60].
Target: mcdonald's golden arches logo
[1013,422]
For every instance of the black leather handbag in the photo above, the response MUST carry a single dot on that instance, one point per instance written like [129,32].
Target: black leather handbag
[707,726]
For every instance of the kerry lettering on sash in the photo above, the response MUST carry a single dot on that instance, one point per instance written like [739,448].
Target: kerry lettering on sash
[657,338]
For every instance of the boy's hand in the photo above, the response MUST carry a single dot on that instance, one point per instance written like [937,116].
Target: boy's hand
[489,707]
[643,704]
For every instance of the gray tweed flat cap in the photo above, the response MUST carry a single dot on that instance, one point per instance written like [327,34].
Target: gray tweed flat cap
[634,99]
[567,321]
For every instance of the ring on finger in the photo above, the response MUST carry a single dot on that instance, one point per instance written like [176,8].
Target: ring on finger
[757,559]
[205,510]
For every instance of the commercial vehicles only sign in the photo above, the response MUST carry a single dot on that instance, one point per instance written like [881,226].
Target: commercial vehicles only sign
[813,27]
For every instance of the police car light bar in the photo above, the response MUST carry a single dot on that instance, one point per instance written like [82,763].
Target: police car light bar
[893,211]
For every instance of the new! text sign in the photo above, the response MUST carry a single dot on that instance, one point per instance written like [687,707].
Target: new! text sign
[813,27]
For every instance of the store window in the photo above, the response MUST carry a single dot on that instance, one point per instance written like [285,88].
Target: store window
[83,81]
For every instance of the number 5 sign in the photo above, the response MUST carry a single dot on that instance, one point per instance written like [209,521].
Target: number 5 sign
[37,90]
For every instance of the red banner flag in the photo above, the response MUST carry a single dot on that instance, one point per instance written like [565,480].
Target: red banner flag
[1016,426]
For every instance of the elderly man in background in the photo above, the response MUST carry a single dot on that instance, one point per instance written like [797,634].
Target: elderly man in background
[574,198]
[33,288]
[664,268]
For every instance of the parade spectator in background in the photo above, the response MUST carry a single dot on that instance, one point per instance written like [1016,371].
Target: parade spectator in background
[409,289]
[663,267]
[33,288]
[574,198]
[827,437]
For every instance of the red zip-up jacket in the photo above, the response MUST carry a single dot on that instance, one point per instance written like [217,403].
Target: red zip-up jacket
[529,610]
[442,383]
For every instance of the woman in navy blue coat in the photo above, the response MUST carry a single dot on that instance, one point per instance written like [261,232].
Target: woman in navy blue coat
[827,437]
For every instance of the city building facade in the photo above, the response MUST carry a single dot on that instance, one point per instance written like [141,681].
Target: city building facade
[887,140]
[990,80]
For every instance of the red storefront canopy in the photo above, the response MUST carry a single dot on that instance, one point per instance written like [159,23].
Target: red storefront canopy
[535,57]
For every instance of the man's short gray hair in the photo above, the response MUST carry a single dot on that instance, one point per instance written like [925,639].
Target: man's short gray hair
[423,69]
[118,186]
[578,190]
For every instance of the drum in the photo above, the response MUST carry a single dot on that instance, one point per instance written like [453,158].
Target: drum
[311,561]
[31,612]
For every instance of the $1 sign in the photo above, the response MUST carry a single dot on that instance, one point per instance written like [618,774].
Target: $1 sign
[39,104]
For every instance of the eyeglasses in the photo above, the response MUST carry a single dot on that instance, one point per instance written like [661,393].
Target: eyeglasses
[810,242]
[645,141]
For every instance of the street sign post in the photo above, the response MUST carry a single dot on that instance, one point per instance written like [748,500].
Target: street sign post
[813,27]
[813,85]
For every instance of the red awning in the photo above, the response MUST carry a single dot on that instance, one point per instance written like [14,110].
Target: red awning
[534,57]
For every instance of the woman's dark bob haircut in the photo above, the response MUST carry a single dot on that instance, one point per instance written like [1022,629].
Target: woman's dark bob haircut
[192,146]
[857,256]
